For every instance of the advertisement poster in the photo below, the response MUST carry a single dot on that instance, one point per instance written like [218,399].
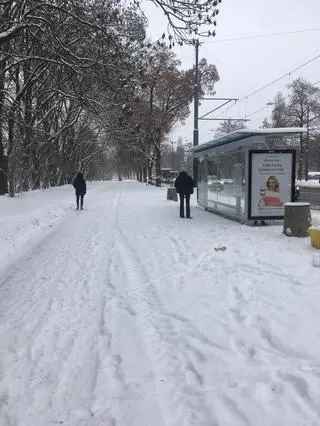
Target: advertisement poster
[271,180]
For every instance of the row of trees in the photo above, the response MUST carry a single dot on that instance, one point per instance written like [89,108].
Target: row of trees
[300,108]
[80,83]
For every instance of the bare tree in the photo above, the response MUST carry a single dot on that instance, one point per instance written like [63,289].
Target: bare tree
[187,19]
[228,126]
[280,111]
[303,108]
[52,69]
[162,100]
[78,78]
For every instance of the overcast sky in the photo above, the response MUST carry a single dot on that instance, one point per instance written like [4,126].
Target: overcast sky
[247,65]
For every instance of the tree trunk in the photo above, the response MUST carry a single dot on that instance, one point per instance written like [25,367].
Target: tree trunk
[60,177]
[158,166]
[3,169]
[3,159]
[145,174]
[301,156]
[11,159]
[26,130]
[45,175]
[119,172]
[35,169]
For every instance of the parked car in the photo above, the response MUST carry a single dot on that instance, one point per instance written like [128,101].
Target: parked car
[216,186]
[314,176]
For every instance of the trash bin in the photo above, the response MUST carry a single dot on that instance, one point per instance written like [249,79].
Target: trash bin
[172,194]
[297,219]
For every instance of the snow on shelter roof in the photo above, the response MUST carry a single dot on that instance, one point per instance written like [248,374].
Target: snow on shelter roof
[242,134]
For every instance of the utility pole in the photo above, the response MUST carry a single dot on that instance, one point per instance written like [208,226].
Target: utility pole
[196,111]
[196,99]
[196,117]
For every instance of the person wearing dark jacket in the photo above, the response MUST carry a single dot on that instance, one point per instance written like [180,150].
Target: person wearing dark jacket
[184,185]
[81,189]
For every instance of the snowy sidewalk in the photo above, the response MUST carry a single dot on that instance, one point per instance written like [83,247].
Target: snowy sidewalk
[30,216]
[125,315]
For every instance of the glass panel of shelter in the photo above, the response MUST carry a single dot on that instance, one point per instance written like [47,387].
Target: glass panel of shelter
[226,183]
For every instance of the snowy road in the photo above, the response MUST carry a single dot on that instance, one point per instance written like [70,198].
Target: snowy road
[125,315]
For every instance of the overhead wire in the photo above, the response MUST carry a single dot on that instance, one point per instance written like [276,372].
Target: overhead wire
[272,104]
[283,76]
[229,68]
[205,125]
[288,74]
[263,108]
[264,35]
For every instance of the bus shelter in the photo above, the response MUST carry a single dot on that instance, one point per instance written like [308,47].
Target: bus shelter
[248,175]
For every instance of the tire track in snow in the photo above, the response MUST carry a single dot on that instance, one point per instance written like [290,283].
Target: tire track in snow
[195,347]
[106,363]
[120,353]
[98,293]
[243,314]
[44,342]
[192,345]
[182,250]
[186,404]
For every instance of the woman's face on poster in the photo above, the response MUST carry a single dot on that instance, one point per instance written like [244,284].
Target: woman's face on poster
[272,184]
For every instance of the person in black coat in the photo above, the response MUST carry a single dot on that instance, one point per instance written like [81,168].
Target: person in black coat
[81,189]
[184,185]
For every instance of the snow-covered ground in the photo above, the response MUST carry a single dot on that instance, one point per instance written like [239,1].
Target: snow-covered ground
[125,315]
[31,215]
